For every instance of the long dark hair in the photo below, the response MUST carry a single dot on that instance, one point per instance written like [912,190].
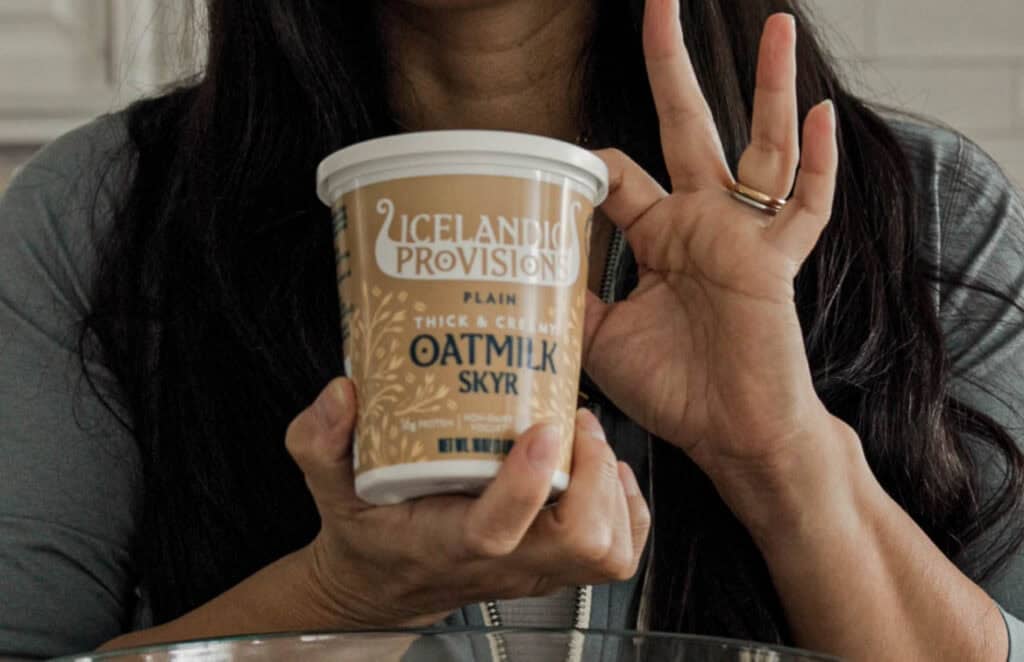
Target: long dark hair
[215,302]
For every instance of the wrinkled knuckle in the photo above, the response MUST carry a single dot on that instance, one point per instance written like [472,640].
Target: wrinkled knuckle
[641,517]
[680,115]
[632,568]
[619,571]
[634,564]
[590,547]
[296,441]
[609,467]
[619,565]
[615,154]
[762,159]
[775,150]
[485,544]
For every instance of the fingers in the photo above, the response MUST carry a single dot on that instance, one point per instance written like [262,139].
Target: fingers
[632,202]
[588,537]
[797,228]
[639,514]
[498,520]
[319,439]
[690,141]
[632,193]
[769,162]
[632,198]
[509,546]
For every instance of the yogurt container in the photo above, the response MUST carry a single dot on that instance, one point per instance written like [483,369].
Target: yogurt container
[462,274]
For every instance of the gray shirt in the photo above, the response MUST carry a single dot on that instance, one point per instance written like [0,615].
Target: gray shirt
[70,489]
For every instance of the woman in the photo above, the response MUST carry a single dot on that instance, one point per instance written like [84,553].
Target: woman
[822,425]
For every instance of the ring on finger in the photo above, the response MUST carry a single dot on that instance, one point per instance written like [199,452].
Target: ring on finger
[757,199]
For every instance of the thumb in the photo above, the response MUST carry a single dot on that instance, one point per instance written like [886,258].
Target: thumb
[319,439]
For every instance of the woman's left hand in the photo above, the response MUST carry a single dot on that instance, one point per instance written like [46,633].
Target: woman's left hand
[707,351]
[708,354]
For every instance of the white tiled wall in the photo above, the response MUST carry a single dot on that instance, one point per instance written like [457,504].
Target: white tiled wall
[959,61]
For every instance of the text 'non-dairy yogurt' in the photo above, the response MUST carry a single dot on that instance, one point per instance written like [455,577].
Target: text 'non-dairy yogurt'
[462,272]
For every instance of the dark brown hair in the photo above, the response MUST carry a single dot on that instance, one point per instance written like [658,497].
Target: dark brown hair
[215,304]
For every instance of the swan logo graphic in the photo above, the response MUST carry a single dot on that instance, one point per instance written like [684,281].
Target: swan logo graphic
[498,248]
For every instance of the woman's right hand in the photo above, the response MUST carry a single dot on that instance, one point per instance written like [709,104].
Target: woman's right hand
[412,564]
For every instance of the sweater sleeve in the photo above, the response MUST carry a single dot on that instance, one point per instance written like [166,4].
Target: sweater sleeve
[69,486]
[980,237]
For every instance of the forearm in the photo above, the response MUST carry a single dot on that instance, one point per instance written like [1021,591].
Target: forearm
[858,578]
[282,597]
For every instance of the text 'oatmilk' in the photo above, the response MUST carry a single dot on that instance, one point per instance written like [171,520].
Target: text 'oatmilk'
[462,274]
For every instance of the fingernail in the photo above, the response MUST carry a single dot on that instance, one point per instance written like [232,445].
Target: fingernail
[586,420]
[827,103]
[543,450]
[629,484]
[333,402]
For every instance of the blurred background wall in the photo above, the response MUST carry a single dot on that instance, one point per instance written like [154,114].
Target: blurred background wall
[64,61]
[956,60]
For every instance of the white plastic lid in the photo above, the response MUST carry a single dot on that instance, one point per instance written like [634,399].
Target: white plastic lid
[388,485]
[451,148]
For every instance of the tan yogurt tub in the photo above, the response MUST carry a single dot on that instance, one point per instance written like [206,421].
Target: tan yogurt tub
[462,273]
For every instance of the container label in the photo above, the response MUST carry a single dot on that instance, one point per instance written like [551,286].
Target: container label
[494,248]
[462,311]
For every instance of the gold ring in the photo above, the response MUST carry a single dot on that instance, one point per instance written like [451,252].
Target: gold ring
[756,199]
